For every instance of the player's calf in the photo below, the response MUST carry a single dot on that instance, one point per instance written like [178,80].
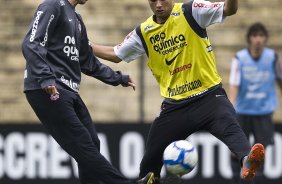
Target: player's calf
[148,179]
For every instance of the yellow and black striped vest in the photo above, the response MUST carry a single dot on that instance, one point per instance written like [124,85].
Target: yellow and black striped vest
[180,54]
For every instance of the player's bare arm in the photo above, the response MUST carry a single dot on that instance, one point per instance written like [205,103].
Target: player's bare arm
[230,7]
[105,52]
[233,92]
[279,74]
[279,83]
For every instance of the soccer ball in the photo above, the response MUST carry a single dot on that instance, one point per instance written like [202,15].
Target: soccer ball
[180,157]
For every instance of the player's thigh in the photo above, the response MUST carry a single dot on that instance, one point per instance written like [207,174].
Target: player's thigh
[218,112]
[60,119]
[168,127]
[225,126]
[85,118]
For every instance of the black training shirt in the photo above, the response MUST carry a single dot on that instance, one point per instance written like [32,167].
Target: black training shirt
[57,50]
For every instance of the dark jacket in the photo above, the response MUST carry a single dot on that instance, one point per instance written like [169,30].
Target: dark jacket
[57,50]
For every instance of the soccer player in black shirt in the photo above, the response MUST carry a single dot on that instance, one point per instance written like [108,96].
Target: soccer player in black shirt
[57,50]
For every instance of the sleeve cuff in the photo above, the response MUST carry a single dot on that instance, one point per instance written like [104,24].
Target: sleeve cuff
[48,82]
[124,79]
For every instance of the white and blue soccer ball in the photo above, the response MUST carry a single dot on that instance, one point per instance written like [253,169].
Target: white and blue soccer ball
[180,157]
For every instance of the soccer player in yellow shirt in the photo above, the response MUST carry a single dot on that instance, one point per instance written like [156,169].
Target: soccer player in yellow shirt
[182,61]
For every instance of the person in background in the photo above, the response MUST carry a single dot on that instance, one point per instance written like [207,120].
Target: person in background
[57,50]
[182,61]
[255,70]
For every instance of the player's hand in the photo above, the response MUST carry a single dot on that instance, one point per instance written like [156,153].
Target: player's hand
[131,83]
[53,92]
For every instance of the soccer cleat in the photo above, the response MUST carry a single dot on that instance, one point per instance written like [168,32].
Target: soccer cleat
[157,180]
[253,162]
[148,179]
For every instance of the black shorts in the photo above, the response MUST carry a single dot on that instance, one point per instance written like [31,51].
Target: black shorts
[260,126]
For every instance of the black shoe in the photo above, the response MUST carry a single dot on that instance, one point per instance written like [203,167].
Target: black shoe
[148,179]
[157,180]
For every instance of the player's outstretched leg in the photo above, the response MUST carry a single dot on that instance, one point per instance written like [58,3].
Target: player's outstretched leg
[148,179]
[253,162]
